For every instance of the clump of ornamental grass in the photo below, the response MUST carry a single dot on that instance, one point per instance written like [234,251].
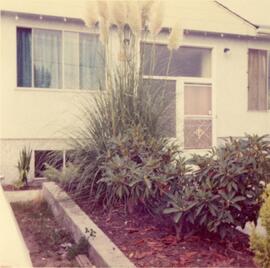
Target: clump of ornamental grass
[130,100]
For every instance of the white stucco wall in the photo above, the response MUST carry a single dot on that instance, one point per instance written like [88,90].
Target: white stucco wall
[40,117]
[13,251]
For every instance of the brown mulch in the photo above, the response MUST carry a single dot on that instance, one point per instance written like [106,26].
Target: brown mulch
[35,184]
[46,240]
[148,242]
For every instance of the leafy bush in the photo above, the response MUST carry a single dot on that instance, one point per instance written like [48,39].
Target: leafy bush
[138,169]
[23,165]
[65,176]
[259,243]
[225,191]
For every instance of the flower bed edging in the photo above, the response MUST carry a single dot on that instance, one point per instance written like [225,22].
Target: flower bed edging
[22,196]
[11,243]
[102,251]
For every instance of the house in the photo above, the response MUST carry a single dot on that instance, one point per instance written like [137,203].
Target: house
[219,79]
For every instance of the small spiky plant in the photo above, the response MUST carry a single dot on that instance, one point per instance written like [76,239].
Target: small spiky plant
[24,165]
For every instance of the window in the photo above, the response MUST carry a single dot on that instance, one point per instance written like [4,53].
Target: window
[197,116]
[258,80]
[166,104]
[57,59]
[53,158]
[193,100]
[185,61]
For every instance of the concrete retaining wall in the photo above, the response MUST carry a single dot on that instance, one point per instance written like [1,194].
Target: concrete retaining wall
[13,251]
[103,252]
[22,196]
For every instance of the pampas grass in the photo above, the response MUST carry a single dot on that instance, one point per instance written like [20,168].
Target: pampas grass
[145,7]
[176,37]
[103,9]
[90,17]
[104,29]
[135,18]
[119,11]
[130,100]
[156,18]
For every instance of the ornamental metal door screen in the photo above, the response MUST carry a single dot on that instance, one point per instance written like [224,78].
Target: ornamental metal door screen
[197,116]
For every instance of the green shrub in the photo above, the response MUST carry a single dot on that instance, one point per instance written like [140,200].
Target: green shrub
[138,169]
[135,169]
[260,244]
[23,165]
[225,191]
[65,176]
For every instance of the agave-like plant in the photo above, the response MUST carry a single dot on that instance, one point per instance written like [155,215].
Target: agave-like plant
[24,164]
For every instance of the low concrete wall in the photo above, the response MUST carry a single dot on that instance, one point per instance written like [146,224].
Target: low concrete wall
[103,252]
[22,196]
[13,251]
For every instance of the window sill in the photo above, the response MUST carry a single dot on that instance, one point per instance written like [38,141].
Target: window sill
[259,112]
[56,90]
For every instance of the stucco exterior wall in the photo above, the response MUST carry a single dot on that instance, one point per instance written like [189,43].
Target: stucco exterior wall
[41,118]
[13,251]
[10,149]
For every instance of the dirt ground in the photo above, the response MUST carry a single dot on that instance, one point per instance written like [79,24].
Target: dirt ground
[45,239]
[148,243]
[32,185]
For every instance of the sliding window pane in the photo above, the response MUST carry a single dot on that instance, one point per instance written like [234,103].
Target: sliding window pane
[47,59]
[71,60]
[158,60]
[92,68]
[24,58]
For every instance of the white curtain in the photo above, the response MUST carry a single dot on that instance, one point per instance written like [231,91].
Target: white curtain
[71,60]
[91,62]
[47,58]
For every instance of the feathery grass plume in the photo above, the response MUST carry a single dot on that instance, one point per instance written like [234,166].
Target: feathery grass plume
[90,16]
[145,7]
[135,17]
[119,12]
[156,18]
[175,38]
[103,9]
[104,31]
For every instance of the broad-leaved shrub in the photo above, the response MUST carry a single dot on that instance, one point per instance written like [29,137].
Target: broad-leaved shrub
[225,191]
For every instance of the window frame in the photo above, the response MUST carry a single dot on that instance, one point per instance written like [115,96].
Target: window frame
[267,80]
[32,27]
[180,84]
[267,110]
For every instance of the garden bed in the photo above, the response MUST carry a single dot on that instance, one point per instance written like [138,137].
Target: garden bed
[148,242]
[35,184]
[46,240]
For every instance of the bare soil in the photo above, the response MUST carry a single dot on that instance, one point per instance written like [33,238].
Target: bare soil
[148,242]
[46,240]
[35,184]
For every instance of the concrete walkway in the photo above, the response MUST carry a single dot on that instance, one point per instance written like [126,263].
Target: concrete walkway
[13,251]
